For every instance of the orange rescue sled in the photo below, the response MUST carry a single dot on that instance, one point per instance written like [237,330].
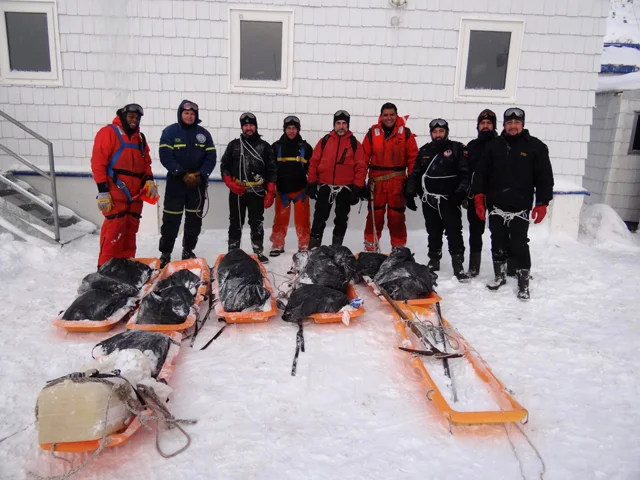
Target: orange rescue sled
[106,325]
[509,409]
[117,439]
[338,316]
[201,295]
[244,317]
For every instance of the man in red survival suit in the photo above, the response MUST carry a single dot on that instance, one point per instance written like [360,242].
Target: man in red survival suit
[121,167]
[391,150]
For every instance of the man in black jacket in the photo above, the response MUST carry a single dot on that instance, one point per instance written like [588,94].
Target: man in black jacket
[511,166]
[441,177]
[292,156]
[486,127]
[249,170]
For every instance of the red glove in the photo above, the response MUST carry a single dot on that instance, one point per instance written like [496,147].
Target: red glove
[538,213]
[234,186]
[270,197]
[481,210]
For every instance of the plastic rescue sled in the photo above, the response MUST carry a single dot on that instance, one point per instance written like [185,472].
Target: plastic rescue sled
[509,409]
[117,439]
[106,325]
[244,317]
[192,264]
[339,316]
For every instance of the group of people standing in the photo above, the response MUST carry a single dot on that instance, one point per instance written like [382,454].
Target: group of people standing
[494,175]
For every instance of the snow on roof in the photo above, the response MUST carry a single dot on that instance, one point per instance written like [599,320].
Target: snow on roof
[620,56]
[623,24]
[618,83]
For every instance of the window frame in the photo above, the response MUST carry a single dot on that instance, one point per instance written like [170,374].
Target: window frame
[285,16]
[636,125]
[508,95]
[54,77]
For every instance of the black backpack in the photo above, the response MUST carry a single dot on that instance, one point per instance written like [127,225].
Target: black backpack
[354,143]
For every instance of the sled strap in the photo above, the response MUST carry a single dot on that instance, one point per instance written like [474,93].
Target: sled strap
[114,159]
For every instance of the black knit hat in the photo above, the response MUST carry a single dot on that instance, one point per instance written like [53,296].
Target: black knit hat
[291,120]
[248,118]
[487,114]
[341,115]
[514,114]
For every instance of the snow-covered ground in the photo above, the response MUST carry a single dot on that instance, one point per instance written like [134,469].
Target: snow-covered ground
[356,409]
[623,24]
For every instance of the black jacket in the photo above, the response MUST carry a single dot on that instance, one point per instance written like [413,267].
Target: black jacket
[446,168]
[292,158]
[475,148]
[240,160]
[510,169]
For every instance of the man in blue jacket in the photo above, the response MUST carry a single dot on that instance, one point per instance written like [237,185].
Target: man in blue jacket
[189,155]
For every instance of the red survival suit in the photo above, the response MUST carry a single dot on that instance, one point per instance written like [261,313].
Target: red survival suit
[133,168]
[390,159]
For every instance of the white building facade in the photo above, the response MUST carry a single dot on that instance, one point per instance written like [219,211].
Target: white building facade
[306,57]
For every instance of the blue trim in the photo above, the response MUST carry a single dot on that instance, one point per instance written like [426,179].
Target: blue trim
[31,173]
[581,192]
[618,68]
[621,45]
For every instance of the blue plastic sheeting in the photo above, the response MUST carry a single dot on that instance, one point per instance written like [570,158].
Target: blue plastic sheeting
[626,45]
[618,68]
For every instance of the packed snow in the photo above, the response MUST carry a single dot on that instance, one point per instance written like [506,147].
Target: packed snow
[623,22]
[356,408]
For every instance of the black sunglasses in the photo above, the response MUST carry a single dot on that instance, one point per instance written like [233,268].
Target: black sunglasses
[438,122]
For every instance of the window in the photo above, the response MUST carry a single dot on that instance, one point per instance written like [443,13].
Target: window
[634,147]
[29,52]
[261,51]
[488,60]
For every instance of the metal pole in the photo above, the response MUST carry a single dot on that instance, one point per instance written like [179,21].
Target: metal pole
[54,192]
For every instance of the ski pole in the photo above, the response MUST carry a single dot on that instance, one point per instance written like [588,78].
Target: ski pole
[299,347]
[445,360]
[215,336]
[372,209]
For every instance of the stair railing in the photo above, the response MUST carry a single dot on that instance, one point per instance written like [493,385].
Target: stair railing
[51,176]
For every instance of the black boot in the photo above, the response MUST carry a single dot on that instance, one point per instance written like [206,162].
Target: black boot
[337,241]
[500,271]
[314,242]
[233,244]
[275,252]
[164,259]
[474,264]
[261,257]
[434,261]
[523,284]
[457,262]
[511,267]
[187,254]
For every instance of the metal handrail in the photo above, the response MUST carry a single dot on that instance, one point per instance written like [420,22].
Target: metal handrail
[51,176]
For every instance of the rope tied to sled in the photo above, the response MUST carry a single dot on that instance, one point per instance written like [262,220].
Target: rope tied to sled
[145,400]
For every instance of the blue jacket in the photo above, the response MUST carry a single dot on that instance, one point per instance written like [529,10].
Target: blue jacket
[187,149]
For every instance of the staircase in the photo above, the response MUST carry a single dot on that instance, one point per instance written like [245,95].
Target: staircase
[28,214]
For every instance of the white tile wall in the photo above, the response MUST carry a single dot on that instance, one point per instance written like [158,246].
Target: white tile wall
[346,55]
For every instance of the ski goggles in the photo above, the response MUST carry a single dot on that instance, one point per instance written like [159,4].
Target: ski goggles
[342,113]
[190,106]
[247,116]
[292,119]
[438,123]
[514,114]
[133,107]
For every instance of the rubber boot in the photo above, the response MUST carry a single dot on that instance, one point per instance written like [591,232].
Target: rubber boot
[457,262]
[434,261]
[257,249]
[337,241]
[523,284]
[164,259]
[511,267]
[314,242]
[187,254]
[500,271]
[474,264]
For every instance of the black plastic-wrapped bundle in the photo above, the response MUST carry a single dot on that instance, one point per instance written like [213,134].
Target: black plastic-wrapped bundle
[158,343]
[240,283]
[403,278]
[183,278]
[169,306]
[322,269]
[127,271]
[95,305]
[346,261]
[369,263]
[309,299]
[98,281]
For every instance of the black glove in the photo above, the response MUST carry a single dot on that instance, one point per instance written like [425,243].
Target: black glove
[458,198]
[355,194]
[312,190]
[409,189]
[465,203]
[411,203]
[365,194]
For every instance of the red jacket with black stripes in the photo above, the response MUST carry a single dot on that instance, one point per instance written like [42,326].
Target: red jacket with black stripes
[396,152]
[337,163]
